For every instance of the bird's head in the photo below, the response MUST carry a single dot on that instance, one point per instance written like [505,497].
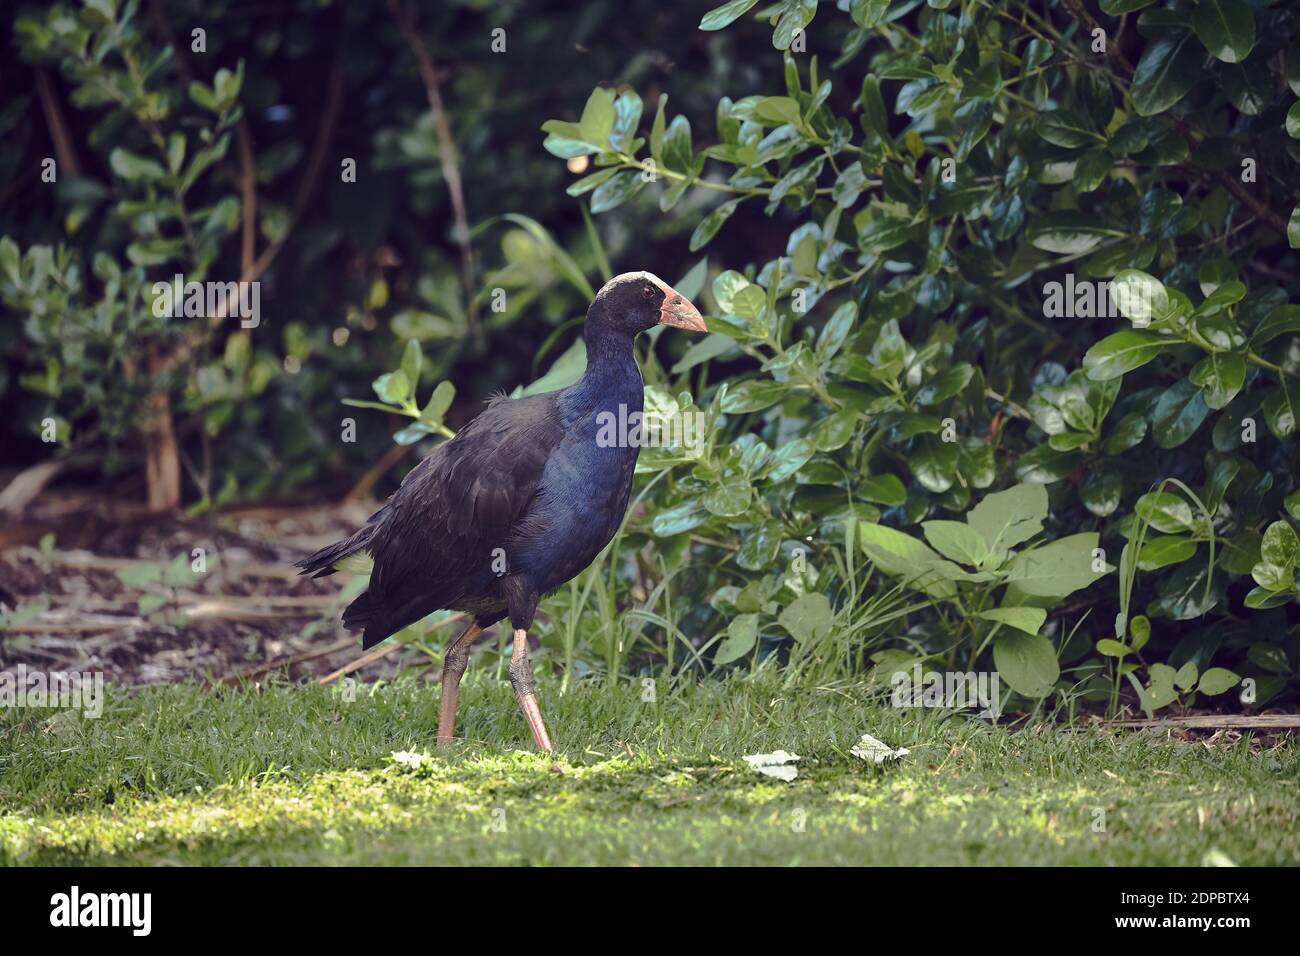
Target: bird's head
[636,301]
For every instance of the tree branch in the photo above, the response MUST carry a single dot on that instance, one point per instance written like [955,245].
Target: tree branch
[404,14]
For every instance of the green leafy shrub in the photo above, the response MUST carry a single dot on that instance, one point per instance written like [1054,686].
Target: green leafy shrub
[957,177]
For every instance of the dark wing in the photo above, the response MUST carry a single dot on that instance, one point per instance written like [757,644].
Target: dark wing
[435,536]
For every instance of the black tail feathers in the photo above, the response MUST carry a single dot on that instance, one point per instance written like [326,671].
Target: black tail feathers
[323,562]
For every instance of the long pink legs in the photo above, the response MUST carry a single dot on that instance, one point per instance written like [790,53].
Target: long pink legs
[453,668]
[521,678]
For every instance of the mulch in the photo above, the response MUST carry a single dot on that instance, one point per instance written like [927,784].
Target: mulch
[249,616]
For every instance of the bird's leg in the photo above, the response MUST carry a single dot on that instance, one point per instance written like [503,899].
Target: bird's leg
[453,667]
[521,679]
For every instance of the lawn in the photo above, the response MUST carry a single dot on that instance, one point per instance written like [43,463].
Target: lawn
[297,774]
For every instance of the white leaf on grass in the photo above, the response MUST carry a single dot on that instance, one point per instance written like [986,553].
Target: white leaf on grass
[877,751]
[778,764]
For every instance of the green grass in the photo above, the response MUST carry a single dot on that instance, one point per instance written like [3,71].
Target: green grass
[296,774]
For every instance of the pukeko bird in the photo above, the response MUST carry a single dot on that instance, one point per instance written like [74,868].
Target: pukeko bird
[521,500]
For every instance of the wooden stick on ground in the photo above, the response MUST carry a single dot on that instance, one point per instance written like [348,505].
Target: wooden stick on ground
[257,672]
[1218,722]
[381,651]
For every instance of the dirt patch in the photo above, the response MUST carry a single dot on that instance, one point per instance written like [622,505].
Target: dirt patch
[177,599]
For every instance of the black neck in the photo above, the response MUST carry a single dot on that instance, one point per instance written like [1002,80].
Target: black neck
[609,351]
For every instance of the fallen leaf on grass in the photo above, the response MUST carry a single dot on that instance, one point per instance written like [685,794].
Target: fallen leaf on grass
[877,751]
[778,764]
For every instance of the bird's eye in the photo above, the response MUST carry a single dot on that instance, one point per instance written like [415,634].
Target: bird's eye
[648,292]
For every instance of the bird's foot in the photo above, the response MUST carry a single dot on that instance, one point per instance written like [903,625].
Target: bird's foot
[521,679]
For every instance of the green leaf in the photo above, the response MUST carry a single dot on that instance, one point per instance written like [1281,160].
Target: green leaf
[742,635]
[1280,546]
[709,347]
[725,289]
[392,387]
[1178,414]
[957,540]
[132,167]
[587,183]
[1117,8]
[945,385]
[868,13]
[1226,27]
[902,556]
[1214,273]
[789,458]
[1092,169]
[597,118]
[1007,518]
[679,518]
[752,396]
[1293,120]
[412,359]
[836,330]
[1067,129]
[884,233]
[175,152]
[729,498]
[807,618]
[1165,511]
[882,489]
[1045,465]
[1109,647]
[1139,297]
[1128,433]
[1026,662]
[1070,232]
[1281,321]
[934,463]
[720,17]
[873,108]
[1279,409]
[1122,352]
[798,14]
[778,110]
[141,575]
[1161,551]
[1169,67]
[677,145]
[1056,569]
[849,185]
[760,546]
[1101,492]
[1027,619]
[1220,376]
[1216,680]
[614,192]
[439,402]
[710,224]
[11,260]
[412,433]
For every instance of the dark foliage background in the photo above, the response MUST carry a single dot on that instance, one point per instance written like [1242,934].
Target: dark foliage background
[871,201]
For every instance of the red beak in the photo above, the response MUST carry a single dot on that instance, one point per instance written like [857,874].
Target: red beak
[678,312]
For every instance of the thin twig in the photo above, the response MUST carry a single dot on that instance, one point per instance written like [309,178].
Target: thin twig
[404,14]
[63,148]
[382,651]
